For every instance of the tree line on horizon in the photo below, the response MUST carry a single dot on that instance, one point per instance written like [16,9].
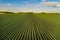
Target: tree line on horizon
[20,12]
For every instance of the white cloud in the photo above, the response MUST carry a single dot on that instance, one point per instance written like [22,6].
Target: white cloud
[43,0]
[58,5]
[9,4]
[49,4]
[53,4]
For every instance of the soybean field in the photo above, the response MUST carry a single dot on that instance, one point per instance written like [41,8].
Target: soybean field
[29,26]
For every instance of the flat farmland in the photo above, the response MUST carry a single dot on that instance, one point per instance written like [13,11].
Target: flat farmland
[29,26]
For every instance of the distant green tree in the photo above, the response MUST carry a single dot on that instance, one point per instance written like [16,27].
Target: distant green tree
[43,13]
[20,12]
[57,13]
[9,12]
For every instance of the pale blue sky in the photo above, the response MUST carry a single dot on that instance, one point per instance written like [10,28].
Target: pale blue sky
[30,5]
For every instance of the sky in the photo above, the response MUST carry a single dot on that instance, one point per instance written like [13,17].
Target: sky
[30,5]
